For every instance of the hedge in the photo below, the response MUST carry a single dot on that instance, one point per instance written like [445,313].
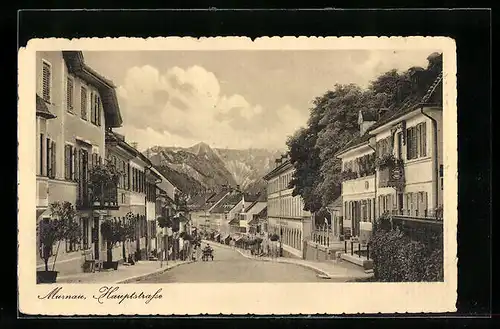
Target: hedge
[396,258]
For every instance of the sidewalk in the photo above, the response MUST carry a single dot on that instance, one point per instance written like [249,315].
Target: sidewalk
[124,274]
[328,269]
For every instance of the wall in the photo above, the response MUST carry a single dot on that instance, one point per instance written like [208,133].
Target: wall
[418,172]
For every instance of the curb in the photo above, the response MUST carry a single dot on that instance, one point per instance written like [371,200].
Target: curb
[143,276]
[284,261]
[317,270]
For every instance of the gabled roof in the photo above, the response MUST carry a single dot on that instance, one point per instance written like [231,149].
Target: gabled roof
[227,203]
[279,169]
[76,65]
[408,106]
[120,140]
[262,197]
[215,199]
[198,201]
[336,203]
[356,142]
[234,221]
[412,103]
[42,110]
[260,214]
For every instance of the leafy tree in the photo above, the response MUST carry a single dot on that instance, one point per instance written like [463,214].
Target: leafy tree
[113,232]
[333,123]
[62,225]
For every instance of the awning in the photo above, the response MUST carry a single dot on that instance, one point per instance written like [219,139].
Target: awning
[238,238]
[225,237]
[216,236]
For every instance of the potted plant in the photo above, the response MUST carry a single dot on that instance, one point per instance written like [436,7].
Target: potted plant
[113,232]
[61,225]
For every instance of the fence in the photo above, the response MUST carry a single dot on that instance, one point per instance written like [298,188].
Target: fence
[357,248]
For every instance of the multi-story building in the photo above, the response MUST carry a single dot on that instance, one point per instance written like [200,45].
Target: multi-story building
[285,213]
[358,175]
[405,147]
[138,188]
[249,217]
[75,106]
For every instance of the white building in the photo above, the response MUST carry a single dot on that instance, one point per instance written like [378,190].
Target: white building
[286,215]
[405,148]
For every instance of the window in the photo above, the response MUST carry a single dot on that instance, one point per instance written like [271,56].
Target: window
[83,102]
[51,158]
[69,94]
[46,81]
[416,145]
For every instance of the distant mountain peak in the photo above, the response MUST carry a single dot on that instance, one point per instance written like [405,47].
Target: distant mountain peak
[200,148]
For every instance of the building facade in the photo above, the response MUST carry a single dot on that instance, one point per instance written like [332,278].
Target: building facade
[407,181]
[286,216]
[75,106]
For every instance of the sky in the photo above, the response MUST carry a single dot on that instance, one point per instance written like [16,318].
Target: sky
[232,99]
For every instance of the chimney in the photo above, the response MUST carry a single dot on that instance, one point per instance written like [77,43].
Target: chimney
[237,187]
[366,118]
[278,162]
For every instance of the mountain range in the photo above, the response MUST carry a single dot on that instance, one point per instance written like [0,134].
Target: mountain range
[201,168]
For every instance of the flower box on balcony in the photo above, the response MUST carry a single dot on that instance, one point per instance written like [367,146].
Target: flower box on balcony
[103,186]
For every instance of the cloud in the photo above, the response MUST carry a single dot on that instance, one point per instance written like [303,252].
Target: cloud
[184,106]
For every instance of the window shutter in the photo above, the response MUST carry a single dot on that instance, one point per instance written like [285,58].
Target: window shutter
[408,144]
[53,170]
[426,200]
[48,158]
[75,164]
[92,108]
[42,158]
[83,102]
[415,203]
[99,105]
[418,140]
[46,77]
[66,161]
[69,95]
[99,159]
[423,131]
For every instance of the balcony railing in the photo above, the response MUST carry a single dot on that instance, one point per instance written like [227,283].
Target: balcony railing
[98,196]
[426,214]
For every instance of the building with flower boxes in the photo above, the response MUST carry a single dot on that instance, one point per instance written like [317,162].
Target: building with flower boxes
[404,175]
[74,107]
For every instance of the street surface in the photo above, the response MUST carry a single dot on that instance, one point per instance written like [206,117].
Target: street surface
[230,266]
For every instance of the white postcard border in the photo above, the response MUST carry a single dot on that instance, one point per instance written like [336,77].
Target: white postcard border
[236,298]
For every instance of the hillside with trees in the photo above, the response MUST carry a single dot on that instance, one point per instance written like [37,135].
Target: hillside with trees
[333,123]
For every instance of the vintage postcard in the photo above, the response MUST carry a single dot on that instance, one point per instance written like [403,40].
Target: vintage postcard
[283,175]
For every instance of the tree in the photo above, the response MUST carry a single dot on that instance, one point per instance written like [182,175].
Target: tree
[62,225]
[113,232]
[333,124]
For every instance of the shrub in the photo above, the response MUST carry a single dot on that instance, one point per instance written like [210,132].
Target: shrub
[274,237]
[397,258]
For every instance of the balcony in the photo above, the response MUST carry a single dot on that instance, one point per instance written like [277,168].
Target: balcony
[103,196]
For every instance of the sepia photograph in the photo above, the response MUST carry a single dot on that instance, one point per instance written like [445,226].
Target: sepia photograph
[271,165]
